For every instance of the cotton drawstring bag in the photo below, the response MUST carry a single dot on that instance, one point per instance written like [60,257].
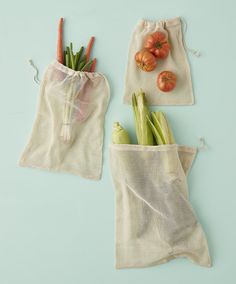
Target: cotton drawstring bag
[175,62]
[155,221]
[67,135]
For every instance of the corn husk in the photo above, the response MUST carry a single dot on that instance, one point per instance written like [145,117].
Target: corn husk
[155,132]
[141,115]
[161,129]
[120,135]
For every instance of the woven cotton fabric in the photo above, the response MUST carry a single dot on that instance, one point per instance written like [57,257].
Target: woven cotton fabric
[176,62]
[67,134]
[155,221]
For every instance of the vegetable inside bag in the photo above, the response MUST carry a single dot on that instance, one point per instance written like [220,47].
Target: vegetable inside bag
[67,135]
[175,63]
[155,221]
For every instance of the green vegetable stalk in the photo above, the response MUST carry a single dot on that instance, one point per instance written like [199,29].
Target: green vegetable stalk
[141,117]
[72,57]
[78,56]
[82,62]
[120,135]
[87,66]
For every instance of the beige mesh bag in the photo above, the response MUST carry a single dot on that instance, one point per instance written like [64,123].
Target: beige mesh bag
[175,62]
[155,221]
[68,131]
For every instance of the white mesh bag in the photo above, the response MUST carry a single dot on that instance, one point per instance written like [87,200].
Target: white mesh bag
[176,62]
[155,221]
[68,131]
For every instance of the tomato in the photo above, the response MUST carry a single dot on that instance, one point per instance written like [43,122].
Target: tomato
[166,81]
[157,44]
[145,60]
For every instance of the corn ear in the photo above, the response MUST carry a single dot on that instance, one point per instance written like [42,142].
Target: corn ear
[171,135]
[155,132]
[136,117]
[167,133]
[158,126]
[141,112]
[162,126]
[120,135]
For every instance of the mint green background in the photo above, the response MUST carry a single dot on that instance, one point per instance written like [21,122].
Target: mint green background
[58,228]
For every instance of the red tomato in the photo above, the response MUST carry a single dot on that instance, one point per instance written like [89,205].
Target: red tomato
[145,60]
[166,81]
[157,44]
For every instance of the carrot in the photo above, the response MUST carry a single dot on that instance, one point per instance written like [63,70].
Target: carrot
[60,42]
[93,66]
[89,48]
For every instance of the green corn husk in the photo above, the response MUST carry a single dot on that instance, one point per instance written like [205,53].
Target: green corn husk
[158,126]
[158,138]
[120,135]
[141,115]
[162,127]
[171,135]
[167,132]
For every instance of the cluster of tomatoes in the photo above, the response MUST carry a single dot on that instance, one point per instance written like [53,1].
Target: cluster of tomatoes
[156,46]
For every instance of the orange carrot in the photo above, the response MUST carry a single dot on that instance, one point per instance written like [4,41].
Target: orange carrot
[93,66]
[89,48]
[60,42]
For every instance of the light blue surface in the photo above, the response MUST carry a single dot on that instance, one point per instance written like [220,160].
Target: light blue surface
[58,228]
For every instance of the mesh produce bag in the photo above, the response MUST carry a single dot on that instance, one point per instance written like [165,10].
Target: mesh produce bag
[175,62]
[67,134]
[155,221]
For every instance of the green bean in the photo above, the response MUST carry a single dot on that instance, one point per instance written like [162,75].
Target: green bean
[69,61]
[72,57]
[78,57]
[64,57]
[87,65]
[82,62]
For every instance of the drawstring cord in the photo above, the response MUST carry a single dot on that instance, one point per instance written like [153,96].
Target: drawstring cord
[202,144]
[36,75]
[193,51]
